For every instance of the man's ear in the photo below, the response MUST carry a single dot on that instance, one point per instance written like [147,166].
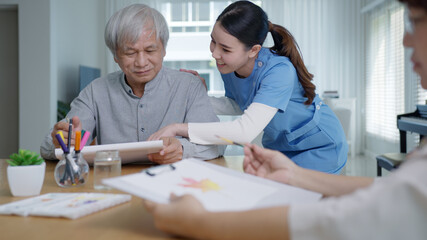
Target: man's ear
[115,59]
[254,50]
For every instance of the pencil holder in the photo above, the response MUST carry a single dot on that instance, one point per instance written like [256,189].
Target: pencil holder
[71,171]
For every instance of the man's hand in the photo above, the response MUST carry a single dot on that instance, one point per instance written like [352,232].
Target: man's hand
[63,126]
[171,152]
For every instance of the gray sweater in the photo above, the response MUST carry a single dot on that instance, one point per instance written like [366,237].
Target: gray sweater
[110,111]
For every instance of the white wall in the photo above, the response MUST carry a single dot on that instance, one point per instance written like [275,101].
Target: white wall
[36,88]
[54,38]
[36,85]
[78,39]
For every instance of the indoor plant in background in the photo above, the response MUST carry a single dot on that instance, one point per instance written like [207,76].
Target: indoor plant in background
[25,173]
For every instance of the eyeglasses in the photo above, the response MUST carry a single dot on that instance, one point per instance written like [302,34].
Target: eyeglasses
[412,22]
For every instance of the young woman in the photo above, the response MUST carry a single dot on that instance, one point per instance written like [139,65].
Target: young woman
[273,88]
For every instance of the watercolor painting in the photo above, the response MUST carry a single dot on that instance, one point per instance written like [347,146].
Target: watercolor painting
[205,185]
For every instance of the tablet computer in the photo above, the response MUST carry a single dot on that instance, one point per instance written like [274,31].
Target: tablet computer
[129,152]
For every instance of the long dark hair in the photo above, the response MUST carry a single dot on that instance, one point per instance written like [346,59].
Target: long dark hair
[249,23]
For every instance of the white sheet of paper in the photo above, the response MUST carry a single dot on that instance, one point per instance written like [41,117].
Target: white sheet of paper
[68,205]
[217,188]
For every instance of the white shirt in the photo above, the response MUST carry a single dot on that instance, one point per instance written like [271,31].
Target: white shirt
[242,130]
[393,207]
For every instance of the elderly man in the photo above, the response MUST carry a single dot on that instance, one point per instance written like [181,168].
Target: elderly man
[131,104]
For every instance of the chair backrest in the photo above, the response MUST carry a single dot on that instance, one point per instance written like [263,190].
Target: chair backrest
[87,75]
[344,115]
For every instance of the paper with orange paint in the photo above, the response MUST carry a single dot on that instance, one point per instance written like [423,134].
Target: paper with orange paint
[217,188]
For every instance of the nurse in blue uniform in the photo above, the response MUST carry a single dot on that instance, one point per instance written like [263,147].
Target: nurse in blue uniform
[272,89]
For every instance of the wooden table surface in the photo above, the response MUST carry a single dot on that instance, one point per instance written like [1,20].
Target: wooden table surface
[126,221]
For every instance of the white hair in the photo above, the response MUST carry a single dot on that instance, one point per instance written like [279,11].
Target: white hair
[127,24]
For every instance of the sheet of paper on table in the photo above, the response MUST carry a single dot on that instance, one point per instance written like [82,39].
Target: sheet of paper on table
[68,205]
[217,188]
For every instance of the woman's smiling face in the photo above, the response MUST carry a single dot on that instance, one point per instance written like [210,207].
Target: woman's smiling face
[230,54]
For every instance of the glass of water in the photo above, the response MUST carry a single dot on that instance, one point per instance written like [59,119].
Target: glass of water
[107,164]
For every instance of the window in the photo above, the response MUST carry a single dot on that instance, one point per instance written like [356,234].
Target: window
[190,24]
[192,16]
[392,88]
[385,75]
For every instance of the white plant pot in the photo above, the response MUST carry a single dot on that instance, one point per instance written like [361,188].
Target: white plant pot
[26,180]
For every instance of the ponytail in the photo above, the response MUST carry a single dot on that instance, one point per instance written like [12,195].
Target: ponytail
[285,45]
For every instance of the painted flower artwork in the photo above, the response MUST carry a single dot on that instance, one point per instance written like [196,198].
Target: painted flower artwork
[205,185]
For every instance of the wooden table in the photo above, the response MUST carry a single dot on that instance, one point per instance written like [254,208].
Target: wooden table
[126,221]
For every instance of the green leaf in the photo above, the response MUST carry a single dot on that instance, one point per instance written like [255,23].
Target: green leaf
[11,163]
[14,156]
[25,157]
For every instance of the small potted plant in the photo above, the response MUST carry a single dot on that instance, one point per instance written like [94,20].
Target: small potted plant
[25,173]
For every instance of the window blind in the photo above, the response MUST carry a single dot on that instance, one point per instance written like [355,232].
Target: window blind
[385,81]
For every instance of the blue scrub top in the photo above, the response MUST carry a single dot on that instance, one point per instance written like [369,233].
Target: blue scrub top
[311,136]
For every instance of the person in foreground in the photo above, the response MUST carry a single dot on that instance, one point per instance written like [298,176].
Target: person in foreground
[273,87]
[392,207]
[131,104]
